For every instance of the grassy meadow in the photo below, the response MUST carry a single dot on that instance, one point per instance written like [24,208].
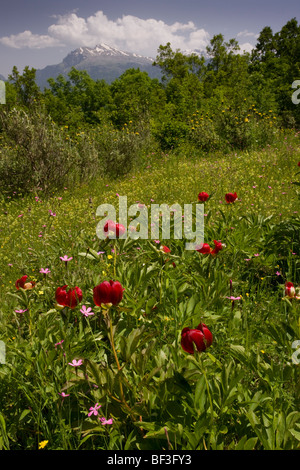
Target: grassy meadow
[61,364]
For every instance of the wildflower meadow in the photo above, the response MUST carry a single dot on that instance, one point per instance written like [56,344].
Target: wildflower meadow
[130,344]
[113,335]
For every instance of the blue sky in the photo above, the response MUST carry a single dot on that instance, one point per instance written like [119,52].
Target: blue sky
[40,32]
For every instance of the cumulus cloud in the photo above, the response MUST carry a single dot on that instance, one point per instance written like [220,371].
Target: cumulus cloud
[28,39]
[247,33]
[129,33]
[246,47]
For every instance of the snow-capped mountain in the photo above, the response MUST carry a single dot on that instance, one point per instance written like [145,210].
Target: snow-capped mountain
[101,62]
[100,51]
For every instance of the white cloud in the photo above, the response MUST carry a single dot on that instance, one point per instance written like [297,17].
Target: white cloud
[128,33]
[247,33]
[27,39]
[246,47]
[198,39]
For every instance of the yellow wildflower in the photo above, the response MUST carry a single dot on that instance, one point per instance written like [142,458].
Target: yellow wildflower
[43,444]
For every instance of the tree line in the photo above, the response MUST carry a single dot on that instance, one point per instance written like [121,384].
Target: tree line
[221,90]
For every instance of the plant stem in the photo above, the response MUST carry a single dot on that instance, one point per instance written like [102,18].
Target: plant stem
[115,259]
[117,362]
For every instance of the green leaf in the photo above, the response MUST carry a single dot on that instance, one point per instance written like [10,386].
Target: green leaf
[214,359]
[241,443]
[129,344]
[295,433]
[250,444]
[150,304]
[191,305]
[239,353]
[23,414]
[89,255]
[280,428]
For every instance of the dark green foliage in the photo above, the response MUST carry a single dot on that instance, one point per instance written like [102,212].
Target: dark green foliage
[77,100]
[36,154]
[135,97]
[277,58]
[27,92]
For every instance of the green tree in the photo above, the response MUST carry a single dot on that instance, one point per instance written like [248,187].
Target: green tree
[136,97]
[77,99]
[288,42]
[182,76]
[227,74]
[175,64]
[27,91]
[276,59]
[265,47]
[221,53]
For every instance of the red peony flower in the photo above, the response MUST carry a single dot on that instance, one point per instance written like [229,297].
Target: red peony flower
[205,248]
[120,230]
[21,283]
[116,292]
[202,197]
[115,229]
[108,293]
[289,289]
[70,298]
[199,338]
[298,163]
[218,247]
[165,249]
[230,197]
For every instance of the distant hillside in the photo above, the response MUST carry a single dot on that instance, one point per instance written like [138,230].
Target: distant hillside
[102,62]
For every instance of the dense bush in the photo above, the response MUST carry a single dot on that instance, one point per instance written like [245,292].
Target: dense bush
[36,153]
[118,150]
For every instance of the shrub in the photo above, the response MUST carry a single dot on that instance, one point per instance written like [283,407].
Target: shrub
[118,150]
[35,153]
[203,134]
[170,133]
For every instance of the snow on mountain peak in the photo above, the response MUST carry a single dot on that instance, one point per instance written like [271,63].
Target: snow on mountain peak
[100,50]
[105,49]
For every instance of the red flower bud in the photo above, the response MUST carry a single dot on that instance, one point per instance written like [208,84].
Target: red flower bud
[108,293]
[116,294]
[198,338]
[117,229]
[205,248]
[230,197]
[120,230]
[218,247]
[290,289]
[202,197]
[68,299]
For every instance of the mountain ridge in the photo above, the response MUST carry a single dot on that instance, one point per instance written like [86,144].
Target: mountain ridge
[103,62]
